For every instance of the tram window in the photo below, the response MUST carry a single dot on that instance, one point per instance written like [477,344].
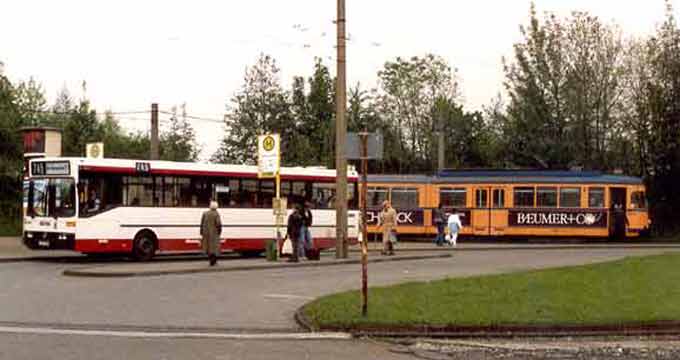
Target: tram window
[638,200]
[453,197]
[546,197]
[404,198]
[570,197]
[523,197]
[596,197]
[498,198]
[376,196]
[481,198]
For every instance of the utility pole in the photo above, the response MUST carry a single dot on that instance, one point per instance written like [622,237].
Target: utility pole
[340,139]
[440,151]
[154,132]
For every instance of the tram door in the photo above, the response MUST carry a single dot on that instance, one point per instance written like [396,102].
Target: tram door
[481,213]
[498,219]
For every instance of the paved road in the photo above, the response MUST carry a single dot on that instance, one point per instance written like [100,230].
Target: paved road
[35,293]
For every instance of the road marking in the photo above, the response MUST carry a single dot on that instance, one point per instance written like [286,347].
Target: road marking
[196,335]
[287,297]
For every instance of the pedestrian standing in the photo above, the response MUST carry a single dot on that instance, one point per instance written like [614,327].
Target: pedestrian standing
[295,222]
[211,229]
[439,218]
[454,225]
[388,219]
[305,232]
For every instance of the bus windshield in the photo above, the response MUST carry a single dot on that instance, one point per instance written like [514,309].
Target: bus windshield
[51,197]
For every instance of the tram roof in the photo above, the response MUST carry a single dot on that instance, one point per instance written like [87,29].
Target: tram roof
[189,168]
[510,177]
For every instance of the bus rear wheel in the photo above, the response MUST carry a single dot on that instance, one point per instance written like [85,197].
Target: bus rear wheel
[144,246]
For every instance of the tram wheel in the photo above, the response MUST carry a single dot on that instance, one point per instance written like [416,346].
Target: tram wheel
[144,246]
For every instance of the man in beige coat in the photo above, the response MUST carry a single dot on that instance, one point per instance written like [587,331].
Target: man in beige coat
[211,229]
[388,219]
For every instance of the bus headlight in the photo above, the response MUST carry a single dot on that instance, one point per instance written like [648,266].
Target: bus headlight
[29,235]
[62,237]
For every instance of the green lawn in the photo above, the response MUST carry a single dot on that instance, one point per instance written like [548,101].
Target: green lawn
[637,289]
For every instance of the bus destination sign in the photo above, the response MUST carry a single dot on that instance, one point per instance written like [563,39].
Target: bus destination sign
[47,168]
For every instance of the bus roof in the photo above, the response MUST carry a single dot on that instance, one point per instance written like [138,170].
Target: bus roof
[170,168]
[510,177]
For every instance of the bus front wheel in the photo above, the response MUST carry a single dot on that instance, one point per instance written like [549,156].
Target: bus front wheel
[144,247]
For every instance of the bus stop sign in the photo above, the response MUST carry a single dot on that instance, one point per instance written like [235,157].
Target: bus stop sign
[268,155]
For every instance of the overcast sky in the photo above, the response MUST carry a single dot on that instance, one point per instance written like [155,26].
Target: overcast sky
[134,52]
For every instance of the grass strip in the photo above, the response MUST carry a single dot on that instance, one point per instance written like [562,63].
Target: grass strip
[632,290]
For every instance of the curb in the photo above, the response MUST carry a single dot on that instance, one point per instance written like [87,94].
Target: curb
[84,272]
[495,331]
[538,247]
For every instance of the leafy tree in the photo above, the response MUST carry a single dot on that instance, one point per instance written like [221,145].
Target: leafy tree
[261,106]
[178,143]
[319,124]
[32,104]
[406,96]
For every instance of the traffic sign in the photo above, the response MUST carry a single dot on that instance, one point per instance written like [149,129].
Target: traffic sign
[268,155]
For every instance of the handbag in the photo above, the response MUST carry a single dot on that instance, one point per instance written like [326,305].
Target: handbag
[393,237]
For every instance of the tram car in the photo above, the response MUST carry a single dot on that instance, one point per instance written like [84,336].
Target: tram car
[514,203]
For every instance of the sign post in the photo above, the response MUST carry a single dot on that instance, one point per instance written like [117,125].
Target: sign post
[364,146]
[268,166]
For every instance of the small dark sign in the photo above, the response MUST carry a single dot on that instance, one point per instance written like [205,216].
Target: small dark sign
[558,218]
[143,167]
[47,168]
[405,217]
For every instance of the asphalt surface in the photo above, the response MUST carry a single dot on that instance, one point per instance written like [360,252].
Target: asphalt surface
[35,294]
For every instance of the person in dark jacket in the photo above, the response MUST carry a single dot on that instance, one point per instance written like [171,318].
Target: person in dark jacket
[211,229]
[305,242]
[439,219]
[295,223]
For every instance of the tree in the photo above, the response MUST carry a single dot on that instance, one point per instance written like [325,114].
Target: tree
[80,127]
[178,143]
[406,96]
[31,103]
[319,124]
[10,158]
[566,93]
[261,106]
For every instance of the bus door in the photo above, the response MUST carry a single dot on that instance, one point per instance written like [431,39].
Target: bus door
[498,214]
[481,212]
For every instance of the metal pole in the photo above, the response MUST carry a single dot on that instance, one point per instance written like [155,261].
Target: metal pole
[277,215]
[364,229]
[441,154]
[340,138]
[154,132]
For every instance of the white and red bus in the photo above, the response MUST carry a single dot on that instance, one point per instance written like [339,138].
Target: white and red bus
[142,208]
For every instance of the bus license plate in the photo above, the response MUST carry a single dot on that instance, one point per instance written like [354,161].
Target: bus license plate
[44,243]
